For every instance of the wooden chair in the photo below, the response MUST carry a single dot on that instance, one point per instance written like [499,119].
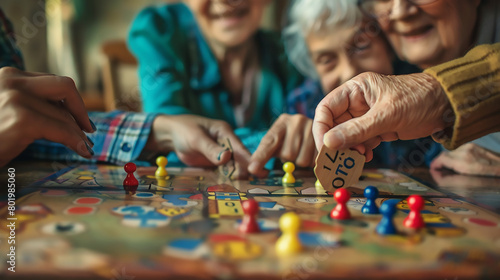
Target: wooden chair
[117,56]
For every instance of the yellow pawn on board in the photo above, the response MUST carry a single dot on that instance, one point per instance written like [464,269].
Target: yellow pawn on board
[289,244]
[288,167]
[161,161]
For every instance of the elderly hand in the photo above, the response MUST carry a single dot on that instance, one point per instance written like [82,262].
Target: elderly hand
[469,159]
[195,141]
[40,106]
[371,108]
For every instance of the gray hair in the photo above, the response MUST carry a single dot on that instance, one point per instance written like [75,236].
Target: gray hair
[315,17]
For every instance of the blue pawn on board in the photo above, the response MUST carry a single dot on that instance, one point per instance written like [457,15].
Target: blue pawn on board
[386,225]
[371,193]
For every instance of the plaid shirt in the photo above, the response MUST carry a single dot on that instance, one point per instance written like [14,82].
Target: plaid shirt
[9,52]
[120,138]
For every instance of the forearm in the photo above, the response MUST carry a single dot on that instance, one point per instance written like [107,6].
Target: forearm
[472,84]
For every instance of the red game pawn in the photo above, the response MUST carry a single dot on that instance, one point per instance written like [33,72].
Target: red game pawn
[130,184]
[414,219]
[249,223]
[340,212]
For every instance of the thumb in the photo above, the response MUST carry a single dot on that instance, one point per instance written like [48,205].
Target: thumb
[212,150]
[356,131]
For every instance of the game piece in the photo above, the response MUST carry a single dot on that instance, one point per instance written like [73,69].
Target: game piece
[249,223]
[130,184]
[318,185]
[288,167]
[371,193]
[338,168]
[227,169]
[162,162]
[414,219]
[386,224]
[341,212]
[289,244]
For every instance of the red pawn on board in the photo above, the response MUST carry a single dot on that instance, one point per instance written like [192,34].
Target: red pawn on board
[249,223]
[340,212]
[414,219]
[130,183]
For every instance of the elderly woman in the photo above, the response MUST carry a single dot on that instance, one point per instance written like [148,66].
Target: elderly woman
[455,100]
[332,41]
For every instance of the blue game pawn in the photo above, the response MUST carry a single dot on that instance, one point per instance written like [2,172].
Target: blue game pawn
[371,193]
[386,225]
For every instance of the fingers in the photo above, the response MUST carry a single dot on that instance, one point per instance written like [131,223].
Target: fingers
[57,88]
[241,156]
[58,131]
[211,150]
[357,130]
[333,106]
[55,112]
[267,148]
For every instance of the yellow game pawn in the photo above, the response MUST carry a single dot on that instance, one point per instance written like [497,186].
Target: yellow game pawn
[161,172]
[288,167]
[318,184]
[289,244]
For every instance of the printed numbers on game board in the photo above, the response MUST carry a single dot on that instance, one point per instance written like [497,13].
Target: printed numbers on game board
[338,168]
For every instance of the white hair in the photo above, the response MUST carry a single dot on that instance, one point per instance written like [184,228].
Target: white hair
[315,17]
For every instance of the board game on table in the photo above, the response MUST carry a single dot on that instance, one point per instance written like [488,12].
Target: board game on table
[79,223]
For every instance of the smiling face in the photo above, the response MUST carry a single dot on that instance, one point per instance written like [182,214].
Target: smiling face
[228,23]
[338,56]
[431,34]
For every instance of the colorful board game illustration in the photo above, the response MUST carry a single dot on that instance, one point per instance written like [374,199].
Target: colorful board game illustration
[80,223]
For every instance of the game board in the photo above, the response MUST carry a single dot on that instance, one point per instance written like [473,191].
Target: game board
[80,223]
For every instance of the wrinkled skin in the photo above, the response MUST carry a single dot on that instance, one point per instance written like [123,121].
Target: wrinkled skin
[469,159]
[289,139]
[371,108]
[194,140]
[40,106]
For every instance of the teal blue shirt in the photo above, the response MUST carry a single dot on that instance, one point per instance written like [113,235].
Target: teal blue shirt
[179,73]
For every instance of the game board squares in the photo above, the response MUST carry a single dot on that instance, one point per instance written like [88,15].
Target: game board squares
[258,191]
[150,219]
[414,186]
[65,183]
[178,200]
[80,210]
[313,191]
[64,228]
[285,191]
[85,177]
[270,206]
[317,239]
[35,209]
[187,248]
[91,183]
[133,209]
[88,200]
[458,210]
[144,195]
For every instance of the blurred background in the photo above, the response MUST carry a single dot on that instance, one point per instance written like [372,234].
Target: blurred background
[85,40]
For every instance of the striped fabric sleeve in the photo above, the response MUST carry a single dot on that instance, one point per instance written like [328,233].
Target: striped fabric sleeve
[472,84]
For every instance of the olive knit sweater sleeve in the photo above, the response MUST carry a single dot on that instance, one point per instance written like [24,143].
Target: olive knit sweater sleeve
[472,84]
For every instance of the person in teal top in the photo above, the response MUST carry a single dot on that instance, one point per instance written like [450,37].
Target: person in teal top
[185,69]
[210,58]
